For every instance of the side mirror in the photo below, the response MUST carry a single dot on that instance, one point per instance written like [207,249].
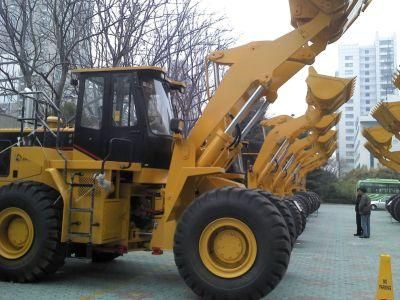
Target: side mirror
[177,125]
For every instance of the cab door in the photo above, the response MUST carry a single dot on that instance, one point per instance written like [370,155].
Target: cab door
[123,133]
[90,119]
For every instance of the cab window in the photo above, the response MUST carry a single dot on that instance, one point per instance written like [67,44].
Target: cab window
[124,110]
[92,102]
[159,110]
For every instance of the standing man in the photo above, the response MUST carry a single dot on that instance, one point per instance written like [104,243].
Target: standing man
[358,216]
[364,209]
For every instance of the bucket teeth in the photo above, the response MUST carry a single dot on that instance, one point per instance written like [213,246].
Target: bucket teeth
[396,79]
[328,93]
[388,115]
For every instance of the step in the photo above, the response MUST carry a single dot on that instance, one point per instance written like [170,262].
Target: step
[84,210]
[89,185]
[79,234]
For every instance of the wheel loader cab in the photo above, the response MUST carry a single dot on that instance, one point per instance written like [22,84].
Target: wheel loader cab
[123,114]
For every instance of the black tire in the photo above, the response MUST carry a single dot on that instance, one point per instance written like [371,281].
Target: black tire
[373,207]
[296,216]
[299,200]
[303,202]
[47,253]
[390,200]
[393,200]
[396,211]
[259,214]
[316,202]
[286,214]
[103,257]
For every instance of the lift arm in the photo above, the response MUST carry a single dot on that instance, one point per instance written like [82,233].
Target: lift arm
[254,70]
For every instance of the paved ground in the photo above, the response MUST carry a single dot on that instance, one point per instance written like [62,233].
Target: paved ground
[327,263]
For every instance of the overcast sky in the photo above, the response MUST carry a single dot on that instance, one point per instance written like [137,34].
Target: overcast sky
[253,20]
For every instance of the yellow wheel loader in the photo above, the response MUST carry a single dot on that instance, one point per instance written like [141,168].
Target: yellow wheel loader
[126,179]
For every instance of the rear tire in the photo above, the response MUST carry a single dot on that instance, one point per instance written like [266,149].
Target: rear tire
[252,211]
[373,207]
[45,254]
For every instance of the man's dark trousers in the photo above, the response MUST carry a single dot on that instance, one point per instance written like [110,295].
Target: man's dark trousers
[358,216]
[358,221]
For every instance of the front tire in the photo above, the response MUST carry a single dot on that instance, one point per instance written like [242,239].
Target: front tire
[232,243]
[30,232]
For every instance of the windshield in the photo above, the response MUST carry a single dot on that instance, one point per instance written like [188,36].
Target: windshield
[158,106]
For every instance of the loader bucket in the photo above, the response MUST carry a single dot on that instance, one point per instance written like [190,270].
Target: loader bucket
[342,12]
[275,121]
[378,136]
[392,162]
[388,115]
[327,140]
[396,79]
[327,122]
[328,93]
[330,136]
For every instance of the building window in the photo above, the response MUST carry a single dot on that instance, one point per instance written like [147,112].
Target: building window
[349,153]
[366,80]
[366,52]
[348,57]
[349,138]
[350,160]
[349,116]
[349,108]
[348,65]
[366,73]
[349,123]
[349,146]
[367,65]
[367,87]
[349,130]
[367,59]
[367,101]
[367,94]
[348,73]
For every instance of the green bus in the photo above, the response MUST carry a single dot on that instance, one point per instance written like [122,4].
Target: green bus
[380,190]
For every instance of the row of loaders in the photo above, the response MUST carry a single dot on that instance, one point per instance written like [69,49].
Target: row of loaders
[125,177]
[380,139]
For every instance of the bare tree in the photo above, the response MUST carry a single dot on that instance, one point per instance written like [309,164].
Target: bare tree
[174,34]
[20,40]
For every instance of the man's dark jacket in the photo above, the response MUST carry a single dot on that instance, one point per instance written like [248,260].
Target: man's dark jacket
[356,208]
[364,206]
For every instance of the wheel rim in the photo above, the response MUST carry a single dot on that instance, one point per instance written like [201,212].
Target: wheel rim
[16,233]
[228,247]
